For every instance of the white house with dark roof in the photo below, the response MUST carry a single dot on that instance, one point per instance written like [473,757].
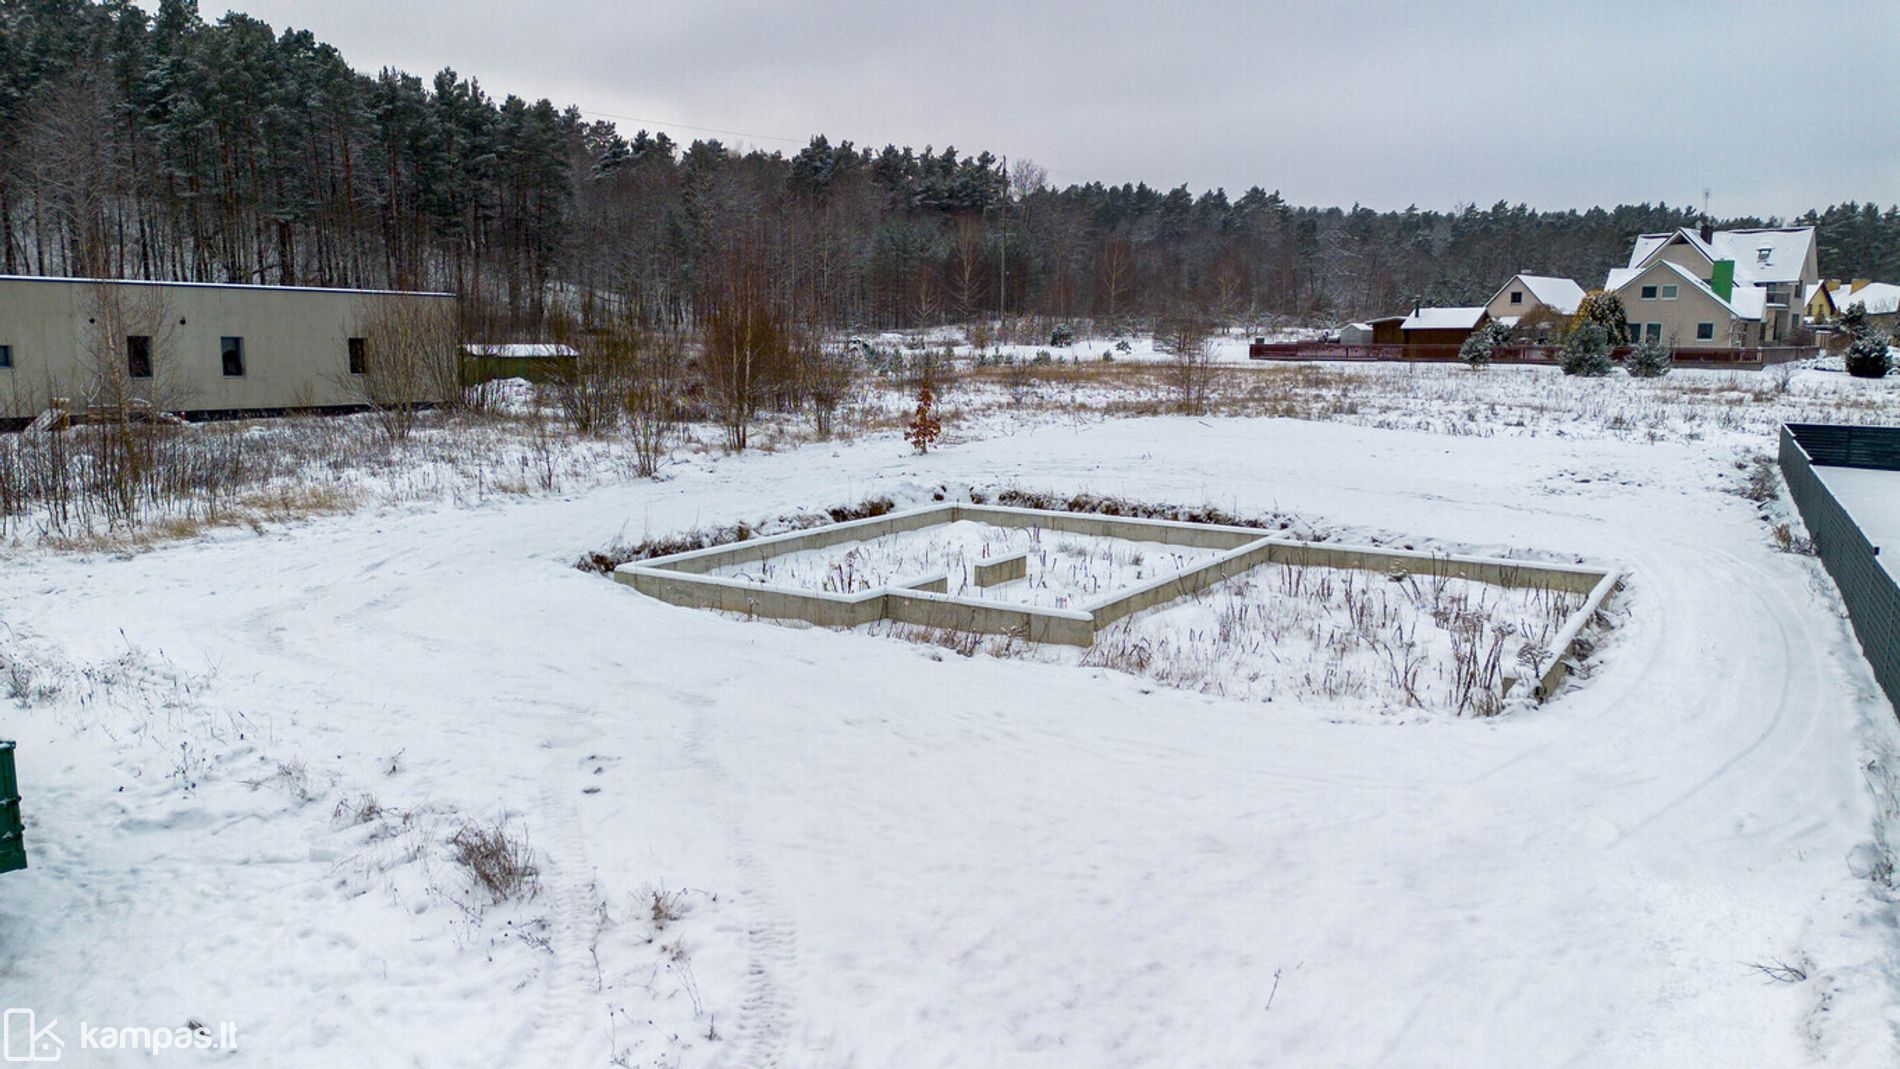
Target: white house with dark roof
[1779,262]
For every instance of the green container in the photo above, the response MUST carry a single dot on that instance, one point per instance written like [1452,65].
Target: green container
[12,832]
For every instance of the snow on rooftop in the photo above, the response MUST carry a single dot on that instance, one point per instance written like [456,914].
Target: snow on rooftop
[1763,254]
[1443,319]
[520,351]
[222,286]
[1560,294]
[1879,298]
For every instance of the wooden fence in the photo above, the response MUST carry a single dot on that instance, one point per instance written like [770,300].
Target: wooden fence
[1547,355]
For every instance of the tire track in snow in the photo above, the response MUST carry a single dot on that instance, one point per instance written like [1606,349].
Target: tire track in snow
[761,1034]
[1740,683]
[564,1033]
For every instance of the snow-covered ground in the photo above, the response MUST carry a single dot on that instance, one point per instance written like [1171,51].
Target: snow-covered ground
[1873,498]
[244,755]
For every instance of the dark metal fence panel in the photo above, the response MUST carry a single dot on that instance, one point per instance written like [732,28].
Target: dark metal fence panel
[1869,591]
[1847,446]
[12,833]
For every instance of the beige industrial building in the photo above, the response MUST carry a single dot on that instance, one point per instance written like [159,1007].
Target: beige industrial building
[202,349]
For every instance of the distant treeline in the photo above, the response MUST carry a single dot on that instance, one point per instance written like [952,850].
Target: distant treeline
[157,146]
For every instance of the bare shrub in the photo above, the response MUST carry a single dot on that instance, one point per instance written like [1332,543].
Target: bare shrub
[410,361]
[1763,480]
[498,860]
[1781,376]
[1019,378]
[591,387]
[1186,336]
[829,377]
[652,401]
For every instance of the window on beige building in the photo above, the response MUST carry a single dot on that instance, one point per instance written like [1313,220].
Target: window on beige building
[138,356]
[232,352]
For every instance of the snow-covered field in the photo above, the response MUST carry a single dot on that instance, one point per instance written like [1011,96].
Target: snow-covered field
[244,757]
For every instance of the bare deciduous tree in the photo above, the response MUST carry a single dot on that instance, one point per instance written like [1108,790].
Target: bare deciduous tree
[746,345]
[967,285]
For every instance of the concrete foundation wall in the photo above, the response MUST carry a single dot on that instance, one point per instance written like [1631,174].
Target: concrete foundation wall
[1002,570]
[753,599]
[753,550]
[680,579]
[947,613]
[1167,532]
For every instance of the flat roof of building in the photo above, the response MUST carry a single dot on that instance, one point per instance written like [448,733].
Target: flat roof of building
[222,286]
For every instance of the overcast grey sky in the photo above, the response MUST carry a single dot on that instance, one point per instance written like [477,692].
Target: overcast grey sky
[1558,104]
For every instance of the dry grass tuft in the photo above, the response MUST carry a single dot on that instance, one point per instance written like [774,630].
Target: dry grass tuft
[498,860]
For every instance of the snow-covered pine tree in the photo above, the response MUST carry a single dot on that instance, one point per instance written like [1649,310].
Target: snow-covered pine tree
[1605,310]
[1483,343]
[1853,319]
[1868,356]
[1649,360]
[1587,351]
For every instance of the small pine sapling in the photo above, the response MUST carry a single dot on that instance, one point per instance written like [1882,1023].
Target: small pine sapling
[1483,343]
[1587,351]
[1649,360]
[924,424]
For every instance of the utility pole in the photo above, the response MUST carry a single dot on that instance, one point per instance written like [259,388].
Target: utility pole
[1002,267]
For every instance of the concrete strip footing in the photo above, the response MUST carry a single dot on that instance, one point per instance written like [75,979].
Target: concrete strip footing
[1002,570]
[682,579]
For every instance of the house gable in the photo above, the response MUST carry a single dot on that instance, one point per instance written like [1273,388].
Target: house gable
[1681,321]
[1560,295]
